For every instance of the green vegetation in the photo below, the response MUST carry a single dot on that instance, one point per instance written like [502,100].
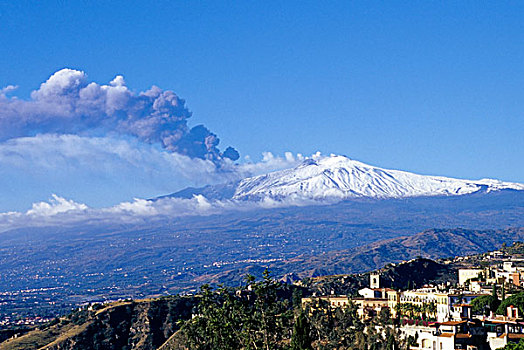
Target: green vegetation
[266,316]
[514,346]
[484,304]
[516,300]
[516,249]
[258,319]
[301,339]
[423,312]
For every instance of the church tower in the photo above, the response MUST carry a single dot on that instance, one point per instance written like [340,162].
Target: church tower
[374,280]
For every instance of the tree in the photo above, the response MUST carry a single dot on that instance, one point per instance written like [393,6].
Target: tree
[321,318]
[410,309]
[484,304]
[417,309]
[301,339]
[516,300]
[391,340]
[218,322]
[398,310]
[513,346]
[225,320]
[267,308]
[336,328]
[384,316]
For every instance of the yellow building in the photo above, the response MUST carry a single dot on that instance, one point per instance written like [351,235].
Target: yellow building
[428,301]
[366,307]
[332,300]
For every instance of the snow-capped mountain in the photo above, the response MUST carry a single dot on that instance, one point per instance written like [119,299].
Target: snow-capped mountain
[338,177]
[341,177]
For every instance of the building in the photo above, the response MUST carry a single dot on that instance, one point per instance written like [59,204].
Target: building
[508,272]
[449,335]
[369,307]
[332,300]
[374,281]
[500,333]
[366,307]
[375,292]
[467,274]
[429,302]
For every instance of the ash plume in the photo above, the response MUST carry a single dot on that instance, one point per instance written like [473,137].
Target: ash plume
[67,103]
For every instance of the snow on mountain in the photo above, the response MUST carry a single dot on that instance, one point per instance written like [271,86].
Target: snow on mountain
[338,177]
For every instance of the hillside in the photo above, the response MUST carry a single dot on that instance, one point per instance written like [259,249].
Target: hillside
[430,244]
[158,323]
[416,272]
[137,325]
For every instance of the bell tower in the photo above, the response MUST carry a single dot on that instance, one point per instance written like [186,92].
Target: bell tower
[374,280]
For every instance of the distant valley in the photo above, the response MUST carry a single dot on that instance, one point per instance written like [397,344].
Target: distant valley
[62,266]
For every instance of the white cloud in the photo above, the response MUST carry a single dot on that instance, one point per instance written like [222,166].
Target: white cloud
[101,144]
[56,205]
[61,211]
[9,88]
[58,156]
[103,156]
[270,162]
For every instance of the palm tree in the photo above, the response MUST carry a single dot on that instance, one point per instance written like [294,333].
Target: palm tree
[410,309]
[418,310]
[398,310]
[432,308]
[424,309]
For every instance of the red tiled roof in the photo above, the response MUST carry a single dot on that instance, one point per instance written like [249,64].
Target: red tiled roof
[447,335]
[463,335]
[452,323]
[385,289]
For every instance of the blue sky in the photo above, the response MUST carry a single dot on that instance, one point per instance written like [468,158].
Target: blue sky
[429,87]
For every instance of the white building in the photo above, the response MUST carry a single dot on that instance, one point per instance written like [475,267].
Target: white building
[467,274]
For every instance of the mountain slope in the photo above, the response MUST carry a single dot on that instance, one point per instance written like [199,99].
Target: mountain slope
[139,325]
[341,177]
[430,244]
[335,178]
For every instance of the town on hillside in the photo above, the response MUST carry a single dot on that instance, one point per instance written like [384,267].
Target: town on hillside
[481,311]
